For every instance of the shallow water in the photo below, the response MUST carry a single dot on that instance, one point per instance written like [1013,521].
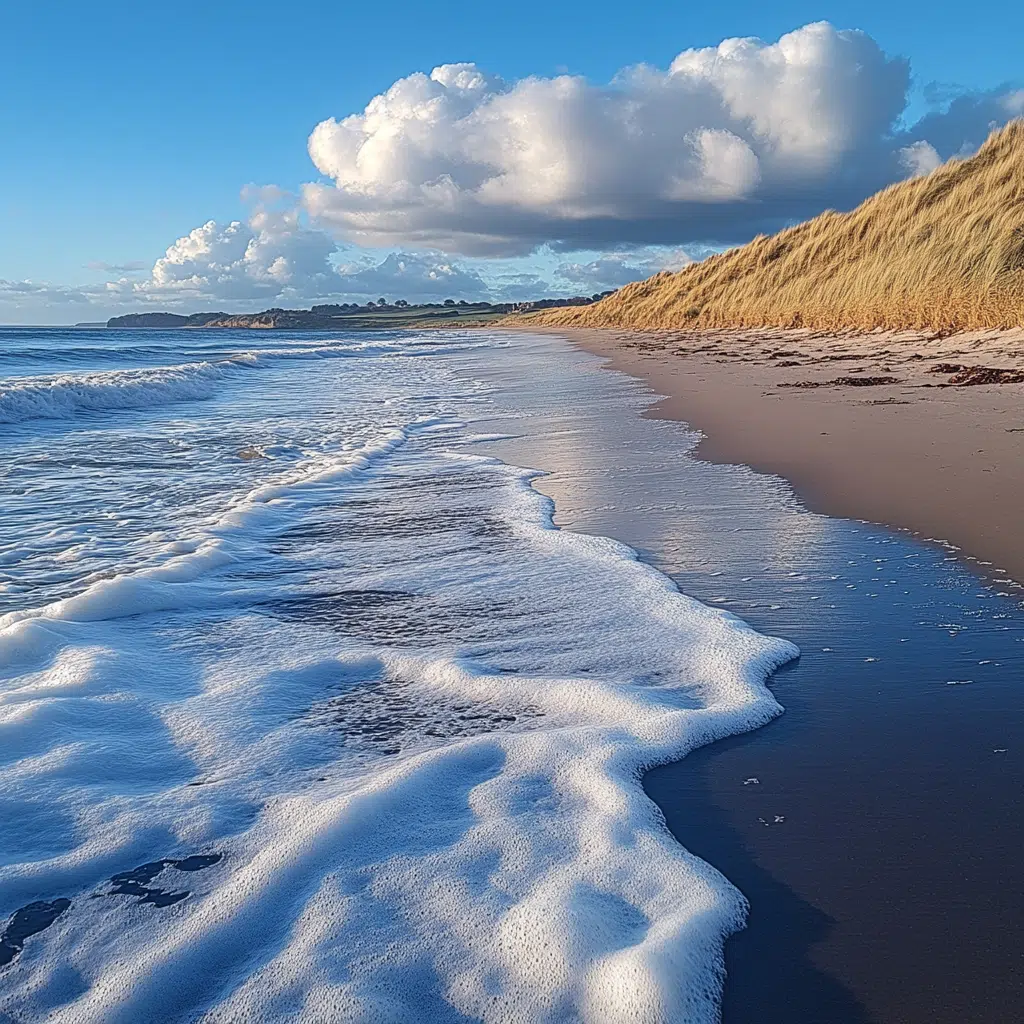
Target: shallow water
[306,709]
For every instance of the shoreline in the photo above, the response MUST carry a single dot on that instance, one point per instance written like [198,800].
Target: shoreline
[874,826]
[945,463]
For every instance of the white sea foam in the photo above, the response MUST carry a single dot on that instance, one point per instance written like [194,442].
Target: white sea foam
[412,717]
[405,348]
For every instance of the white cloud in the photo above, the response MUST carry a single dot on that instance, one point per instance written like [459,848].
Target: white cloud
[963,123]
[722,141]
[271,256]
[134,267]
[270,260]
[613,270]
[919,158]
[31,293]
[425,277]
[726,142]
[1013,103]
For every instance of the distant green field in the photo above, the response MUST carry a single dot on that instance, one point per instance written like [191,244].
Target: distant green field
[413,316]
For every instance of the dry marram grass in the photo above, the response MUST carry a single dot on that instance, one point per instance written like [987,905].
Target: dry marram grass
[944,252]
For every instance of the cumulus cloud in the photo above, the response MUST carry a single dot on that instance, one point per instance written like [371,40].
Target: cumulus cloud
[275,258]
[270,256]
[919,158]
[271,259]
[613,270]
[960,126]
[726,142]
[424,277]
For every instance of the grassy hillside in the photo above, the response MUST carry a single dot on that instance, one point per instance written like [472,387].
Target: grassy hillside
[944,251]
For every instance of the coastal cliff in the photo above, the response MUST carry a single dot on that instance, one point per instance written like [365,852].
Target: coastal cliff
[163,320]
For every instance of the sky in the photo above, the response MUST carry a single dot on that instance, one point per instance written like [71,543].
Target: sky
[237,156]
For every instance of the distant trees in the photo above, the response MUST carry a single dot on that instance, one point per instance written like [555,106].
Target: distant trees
[334,308]
[342,310]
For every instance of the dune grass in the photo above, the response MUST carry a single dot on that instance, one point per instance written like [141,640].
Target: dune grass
[944,252]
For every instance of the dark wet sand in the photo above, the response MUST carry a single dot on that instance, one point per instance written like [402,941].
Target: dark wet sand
[890,891]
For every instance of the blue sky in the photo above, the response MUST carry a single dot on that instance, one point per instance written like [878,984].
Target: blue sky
[126,126]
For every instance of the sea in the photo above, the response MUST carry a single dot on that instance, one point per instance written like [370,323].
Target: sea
[430,676]
[311,709]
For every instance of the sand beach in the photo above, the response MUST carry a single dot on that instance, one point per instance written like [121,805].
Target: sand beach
[874,427]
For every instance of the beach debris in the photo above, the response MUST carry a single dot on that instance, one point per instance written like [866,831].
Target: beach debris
[865,382]
[848,382]
[969,376]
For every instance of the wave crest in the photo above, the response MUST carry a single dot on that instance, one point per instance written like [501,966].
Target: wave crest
[65,395]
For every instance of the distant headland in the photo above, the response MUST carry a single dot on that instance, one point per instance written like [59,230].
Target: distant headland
[351,315]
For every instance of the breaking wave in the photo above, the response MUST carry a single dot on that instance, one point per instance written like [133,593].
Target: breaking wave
[66,395]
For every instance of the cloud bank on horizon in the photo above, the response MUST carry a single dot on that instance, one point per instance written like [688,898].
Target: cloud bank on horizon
[463,174]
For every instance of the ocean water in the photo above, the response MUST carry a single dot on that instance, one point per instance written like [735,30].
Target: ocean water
[308,712]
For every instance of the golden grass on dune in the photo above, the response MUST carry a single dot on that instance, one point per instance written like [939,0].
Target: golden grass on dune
[944,252]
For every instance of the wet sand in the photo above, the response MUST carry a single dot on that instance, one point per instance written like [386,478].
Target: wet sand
[876,826]
[941,460]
